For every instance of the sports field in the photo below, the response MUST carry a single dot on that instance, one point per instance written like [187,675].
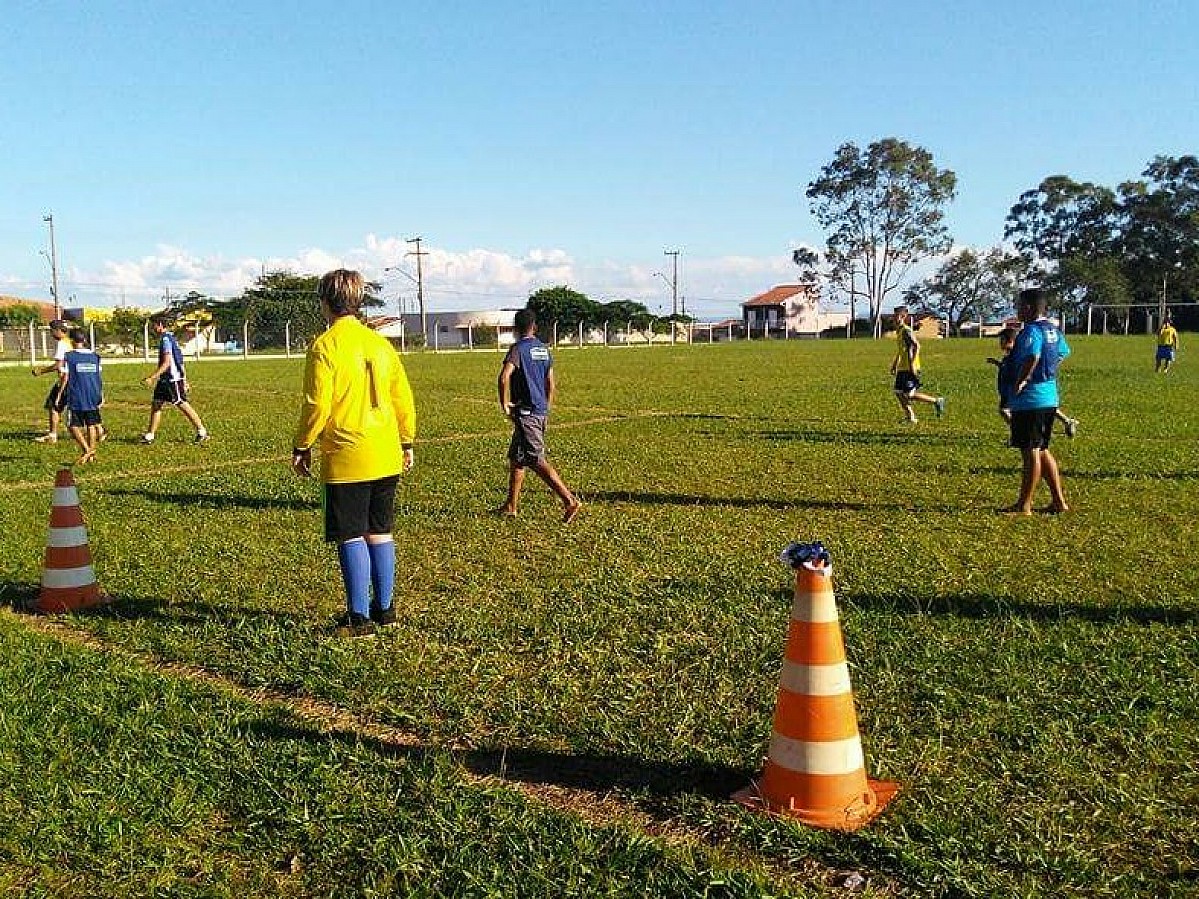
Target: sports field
[563,711]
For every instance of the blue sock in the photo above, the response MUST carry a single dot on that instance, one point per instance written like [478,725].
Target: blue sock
[356,574]
[383,571]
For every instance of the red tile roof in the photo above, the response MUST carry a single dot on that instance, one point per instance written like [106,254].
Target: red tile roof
[777,295]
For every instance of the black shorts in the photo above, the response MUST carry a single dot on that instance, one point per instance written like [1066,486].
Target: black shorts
[361,508]
[53,399]
[1032,428]
[527,446]
[170,393]
[85,418]
[907,382]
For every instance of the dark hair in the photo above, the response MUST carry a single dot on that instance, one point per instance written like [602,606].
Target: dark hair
[1007,335]
[526,321]
[342,291]
[59,324]
[1034,298]
[162,318]
[78,335]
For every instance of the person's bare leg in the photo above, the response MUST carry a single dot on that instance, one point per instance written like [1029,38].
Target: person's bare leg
[516,480]
[905,403]
[155,420]
[81,439]
[1029,476]
[192,415]
[1053,480]
[570,502]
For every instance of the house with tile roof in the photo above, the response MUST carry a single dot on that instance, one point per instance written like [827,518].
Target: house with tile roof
[790,310]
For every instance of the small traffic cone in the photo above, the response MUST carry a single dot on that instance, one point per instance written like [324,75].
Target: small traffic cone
[68,581]
[815,770]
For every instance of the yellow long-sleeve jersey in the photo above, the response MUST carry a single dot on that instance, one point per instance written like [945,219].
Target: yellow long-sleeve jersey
[357,402]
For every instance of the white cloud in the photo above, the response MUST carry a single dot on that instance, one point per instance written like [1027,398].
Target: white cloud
[710,287]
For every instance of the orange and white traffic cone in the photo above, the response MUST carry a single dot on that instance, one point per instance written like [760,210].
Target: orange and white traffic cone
[68,581]
[815,770]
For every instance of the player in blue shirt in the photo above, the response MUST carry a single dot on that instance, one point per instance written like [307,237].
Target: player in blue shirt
[170,382]
[526,388]
[82,388]
[1039,348]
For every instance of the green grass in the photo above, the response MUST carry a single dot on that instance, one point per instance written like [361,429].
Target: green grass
[1031,683]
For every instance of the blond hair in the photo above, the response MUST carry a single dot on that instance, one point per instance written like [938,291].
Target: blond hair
[342,291]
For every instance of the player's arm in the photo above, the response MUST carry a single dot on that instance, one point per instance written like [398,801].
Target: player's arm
[551,387]
[404,407]
[314,413]
[504,384]
[912,345]
[164,364]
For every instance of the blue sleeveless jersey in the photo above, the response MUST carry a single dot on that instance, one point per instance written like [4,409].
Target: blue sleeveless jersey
[533,362]
[85,389]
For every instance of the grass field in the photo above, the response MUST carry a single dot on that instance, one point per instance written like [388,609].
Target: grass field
[563,711]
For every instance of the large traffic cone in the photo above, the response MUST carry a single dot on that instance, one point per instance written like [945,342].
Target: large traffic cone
[68,581]
[816,771]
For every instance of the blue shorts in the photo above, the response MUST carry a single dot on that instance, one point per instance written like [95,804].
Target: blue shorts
[1165,354]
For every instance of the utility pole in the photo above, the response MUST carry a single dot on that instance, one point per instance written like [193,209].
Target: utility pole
[49,217]
[420,284]
[674,281]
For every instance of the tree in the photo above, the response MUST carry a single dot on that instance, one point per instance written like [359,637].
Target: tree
[19,315]
[884,211]
[1161,239]
[564,307]
[969,284]
[125,328]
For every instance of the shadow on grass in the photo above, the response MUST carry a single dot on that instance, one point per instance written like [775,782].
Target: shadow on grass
[739,502]
[22,596]
[915,435]
[650,781]
[982,606]
[216,501]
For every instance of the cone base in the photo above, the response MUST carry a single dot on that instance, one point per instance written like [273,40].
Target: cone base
[59,605]
[850,818]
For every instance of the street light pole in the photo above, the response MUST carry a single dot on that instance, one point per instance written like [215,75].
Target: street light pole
[420,285]
[674,281]
[49,217]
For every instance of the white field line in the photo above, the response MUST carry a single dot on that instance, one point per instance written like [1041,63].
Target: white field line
[17,486]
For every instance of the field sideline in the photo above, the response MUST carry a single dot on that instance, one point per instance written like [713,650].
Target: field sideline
[562,711]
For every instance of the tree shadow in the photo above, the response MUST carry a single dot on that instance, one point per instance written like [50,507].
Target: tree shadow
[864,438]
[215,501]
[982,606]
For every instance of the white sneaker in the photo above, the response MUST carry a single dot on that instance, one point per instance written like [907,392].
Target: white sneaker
[147,439]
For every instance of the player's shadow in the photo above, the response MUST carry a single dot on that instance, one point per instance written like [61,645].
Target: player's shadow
[641,497]
[215,500]
[647,783]
[986,607]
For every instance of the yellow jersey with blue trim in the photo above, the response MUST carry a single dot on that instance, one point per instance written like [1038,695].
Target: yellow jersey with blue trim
[357,403]
[1167,336]
[905,337]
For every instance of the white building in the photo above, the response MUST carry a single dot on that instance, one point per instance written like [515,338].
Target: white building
[790,310]
[451,330]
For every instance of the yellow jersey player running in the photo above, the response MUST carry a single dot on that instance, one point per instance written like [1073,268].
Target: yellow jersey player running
[906,368]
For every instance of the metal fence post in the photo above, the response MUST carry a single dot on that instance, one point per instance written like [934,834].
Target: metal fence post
[287,339]
[146,340]
[245,339]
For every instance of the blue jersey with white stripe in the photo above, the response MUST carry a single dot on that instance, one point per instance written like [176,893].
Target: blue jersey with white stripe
[85,387]
[168,348]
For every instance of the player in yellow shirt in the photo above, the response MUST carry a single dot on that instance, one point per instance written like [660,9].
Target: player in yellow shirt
[358,406]
[906,368]
[1167,346]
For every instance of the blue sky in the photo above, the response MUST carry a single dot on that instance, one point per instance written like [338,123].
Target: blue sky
[531,144]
